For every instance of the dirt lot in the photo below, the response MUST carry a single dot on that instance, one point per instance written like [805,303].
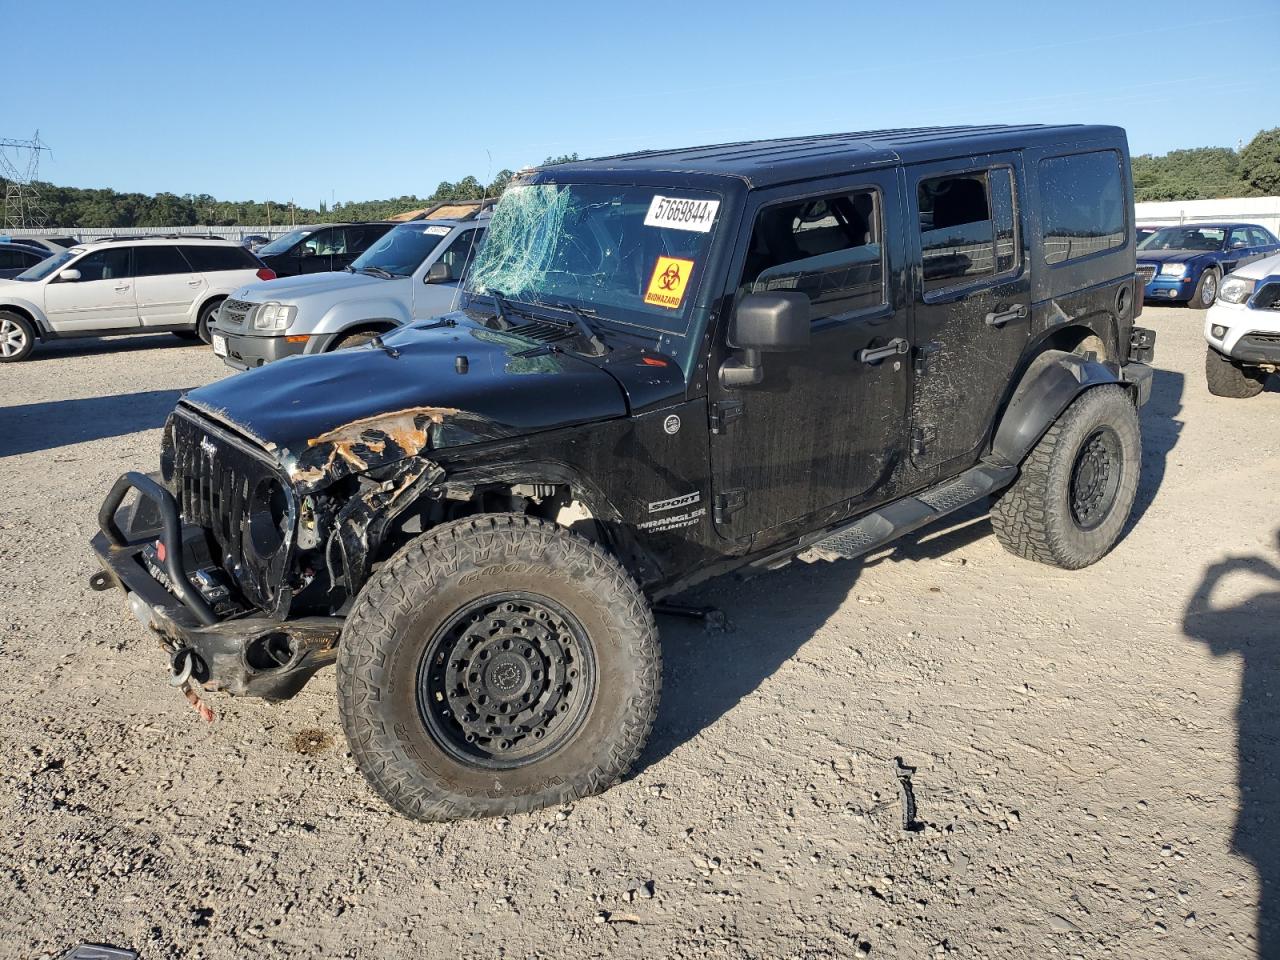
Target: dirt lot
[1095,752]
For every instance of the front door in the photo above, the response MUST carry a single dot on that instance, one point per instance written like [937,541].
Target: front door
[435,298]
[973,303]
[825,428]
[165,285]
[102,299]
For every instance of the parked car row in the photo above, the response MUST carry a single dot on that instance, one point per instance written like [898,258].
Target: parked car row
[1186,263]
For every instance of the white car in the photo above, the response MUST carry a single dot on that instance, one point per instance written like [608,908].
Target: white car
[117,286]
[1243,330]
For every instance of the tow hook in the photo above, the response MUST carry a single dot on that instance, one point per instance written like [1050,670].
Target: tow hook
[181,664]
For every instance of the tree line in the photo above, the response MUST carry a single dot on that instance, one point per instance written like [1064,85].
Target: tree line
[80,207]
[1206,173]
[1200,173]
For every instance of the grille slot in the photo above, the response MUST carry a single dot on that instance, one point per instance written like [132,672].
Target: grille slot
[1146,272]
[543,332]
[235,312]
[213,478]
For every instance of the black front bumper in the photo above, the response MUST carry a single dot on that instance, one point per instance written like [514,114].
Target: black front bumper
[243,654]
[1257,348]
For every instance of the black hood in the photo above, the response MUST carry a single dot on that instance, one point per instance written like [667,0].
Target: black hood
[344,412]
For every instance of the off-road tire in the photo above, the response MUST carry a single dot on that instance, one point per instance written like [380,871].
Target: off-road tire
[1226,378]
[1207,286]
[207,313]
[382,661]
[19,336]
[1034,517]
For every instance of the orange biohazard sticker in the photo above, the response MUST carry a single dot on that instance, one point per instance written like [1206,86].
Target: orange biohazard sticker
[667,285]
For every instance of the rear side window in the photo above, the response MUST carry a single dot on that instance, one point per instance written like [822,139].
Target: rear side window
[829,248]
[1082,204]
[158,261]
[13,259]
[968,227]
[210,259]
[360,239]
[1260,237]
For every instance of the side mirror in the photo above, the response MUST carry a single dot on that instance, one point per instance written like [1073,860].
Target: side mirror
[439,272]
[764,323]
[70,275]
[1239,244]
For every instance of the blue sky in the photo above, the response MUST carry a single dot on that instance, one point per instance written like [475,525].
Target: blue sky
[324,100]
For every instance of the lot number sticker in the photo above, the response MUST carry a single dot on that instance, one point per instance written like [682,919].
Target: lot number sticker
[667,285]
[682,214]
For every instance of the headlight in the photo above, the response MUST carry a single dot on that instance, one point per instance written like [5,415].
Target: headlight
[1236,289]
[1173,269]
[274,316]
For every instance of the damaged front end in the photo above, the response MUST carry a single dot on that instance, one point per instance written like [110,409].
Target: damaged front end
[242,560]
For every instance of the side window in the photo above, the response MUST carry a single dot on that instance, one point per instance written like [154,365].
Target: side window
[458,255]
[968,227]
[829,248]
[1239,238]
[326,243]
[110,264]
[1260,237]
[158,261]
[360,239]
[1082,205]
[210,258]
[13,259]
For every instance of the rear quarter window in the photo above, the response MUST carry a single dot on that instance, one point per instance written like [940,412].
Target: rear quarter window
[212,259]
[1082,205]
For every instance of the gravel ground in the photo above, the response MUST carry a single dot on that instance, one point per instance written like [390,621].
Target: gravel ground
[1095,753]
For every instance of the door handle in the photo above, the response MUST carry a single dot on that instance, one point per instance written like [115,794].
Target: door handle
[122,287]
[194,283]
[896,346]
[1001,316]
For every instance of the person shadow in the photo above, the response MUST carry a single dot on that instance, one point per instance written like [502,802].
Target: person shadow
[1250,629]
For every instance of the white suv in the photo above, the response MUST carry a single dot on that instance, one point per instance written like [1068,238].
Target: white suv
[1243,330]
[123,285]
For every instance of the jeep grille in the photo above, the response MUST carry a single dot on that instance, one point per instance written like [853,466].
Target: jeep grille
[216,479]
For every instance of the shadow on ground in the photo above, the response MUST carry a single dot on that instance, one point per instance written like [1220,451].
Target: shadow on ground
[706,674]
[1161,428]
[1250,630]
[48,350]
[31,427]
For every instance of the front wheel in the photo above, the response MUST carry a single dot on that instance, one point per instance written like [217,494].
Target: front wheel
[1077,486]
[497,664]
[1226,378]
[1206,290]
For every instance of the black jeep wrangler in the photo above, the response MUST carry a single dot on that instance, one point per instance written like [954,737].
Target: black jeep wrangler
[665,366]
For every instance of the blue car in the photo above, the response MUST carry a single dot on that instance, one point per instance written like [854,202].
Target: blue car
[1186,263]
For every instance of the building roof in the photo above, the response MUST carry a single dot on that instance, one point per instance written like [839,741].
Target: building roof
[761,162]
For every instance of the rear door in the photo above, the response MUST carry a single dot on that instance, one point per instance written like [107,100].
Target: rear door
[821,433]
[101,300]
[167,285]
[972,302]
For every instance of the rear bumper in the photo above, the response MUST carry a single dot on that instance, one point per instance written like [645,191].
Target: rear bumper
[243,654]
[245,353]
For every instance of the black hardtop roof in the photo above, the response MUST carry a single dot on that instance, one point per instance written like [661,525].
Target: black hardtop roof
[763,162]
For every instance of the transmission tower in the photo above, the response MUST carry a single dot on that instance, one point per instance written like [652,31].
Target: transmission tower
[20,169]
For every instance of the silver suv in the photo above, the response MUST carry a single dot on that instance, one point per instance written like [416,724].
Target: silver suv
[123,285]
[411,273]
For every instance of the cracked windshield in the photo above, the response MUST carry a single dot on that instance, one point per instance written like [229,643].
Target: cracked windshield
[628,254]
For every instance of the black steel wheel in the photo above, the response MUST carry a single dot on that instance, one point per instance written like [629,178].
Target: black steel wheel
[495,665]
[506,680]
[1095,478]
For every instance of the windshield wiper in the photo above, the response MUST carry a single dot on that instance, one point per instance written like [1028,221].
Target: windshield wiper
[379,272]
[500,306]
[585,327]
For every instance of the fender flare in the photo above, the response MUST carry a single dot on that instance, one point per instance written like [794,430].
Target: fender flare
[1047,388]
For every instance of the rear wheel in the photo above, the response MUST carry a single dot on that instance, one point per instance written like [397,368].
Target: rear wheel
[17,337]
[1206,290]
[1227,378]
[497,664]
[207,313]
[1076,487]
